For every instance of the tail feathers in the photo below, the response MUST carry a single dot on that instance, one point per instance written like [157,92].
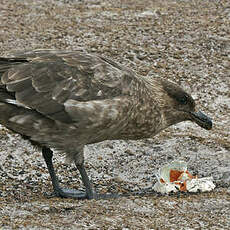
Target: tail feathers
[7,63]
[5,95]
[12,60]
[9,98]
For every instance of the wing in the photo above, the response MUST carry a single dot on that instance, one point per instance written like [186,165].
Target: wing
[47,79]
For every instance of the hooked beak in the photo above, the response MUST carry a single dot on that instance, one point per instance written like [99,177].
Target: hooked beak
[202,120]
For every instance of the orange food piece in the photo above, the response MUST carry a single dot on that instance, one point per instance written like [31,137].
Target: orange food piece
[175,174]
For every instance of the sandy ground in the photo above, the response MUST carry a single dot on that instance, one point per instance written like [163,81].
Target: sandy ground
[185,41]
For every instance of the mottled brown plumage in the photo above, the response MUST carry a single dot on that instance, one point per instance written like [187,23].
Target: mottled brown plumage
[66,99]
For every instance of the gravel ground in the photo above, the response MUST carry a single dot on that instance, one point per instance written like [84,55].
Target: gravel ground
[187,41]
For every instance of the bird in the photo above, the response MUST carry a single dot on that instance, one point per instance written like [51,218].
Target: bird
[63,100]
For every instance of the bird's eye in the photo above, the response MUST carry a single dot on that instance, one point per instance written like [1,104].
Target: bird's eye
[183,100]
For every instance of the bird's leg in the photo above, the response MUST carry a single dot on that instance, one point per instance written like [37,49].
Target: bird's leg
[67,193]
[85,179]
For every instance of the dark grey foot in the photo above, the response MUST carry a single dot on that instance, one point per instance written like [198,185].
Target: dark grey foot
[63,192]
[71,193]
[75,194]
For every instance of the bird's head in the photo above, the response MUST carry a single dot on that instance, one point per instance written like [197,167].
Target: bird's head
[181,107]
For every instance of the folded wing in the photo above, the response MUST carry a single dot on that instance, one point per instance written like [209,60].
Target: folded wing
[47,79]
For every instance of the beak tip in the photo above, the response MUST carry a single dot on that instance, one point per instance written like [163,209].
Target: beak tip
[203,120]
[209,126]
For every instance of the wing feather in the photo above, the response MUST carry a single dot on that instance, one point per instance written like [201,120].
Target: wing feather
[51,78]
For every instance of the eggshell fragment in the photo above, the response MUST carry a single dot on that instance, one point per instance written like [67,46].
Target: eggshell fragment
[175,177]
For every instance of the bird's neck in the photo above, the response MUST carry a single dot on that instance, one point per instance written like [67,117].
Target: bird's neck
[143,119]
